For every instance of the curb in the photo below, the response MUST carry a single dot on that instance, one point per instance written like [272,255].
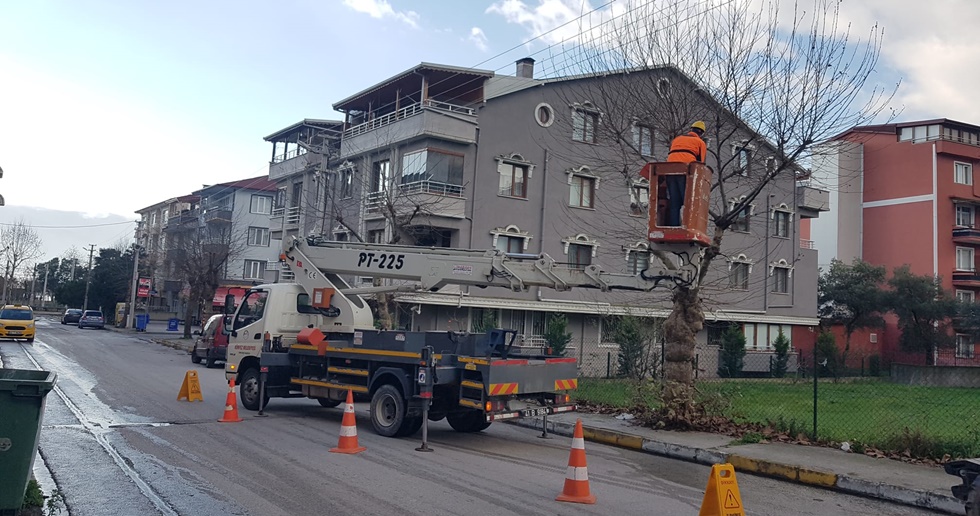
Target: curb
[811,477]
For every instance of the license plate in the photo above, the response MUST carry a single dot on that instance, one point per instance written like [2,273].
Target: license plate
[14,332]
[534,412]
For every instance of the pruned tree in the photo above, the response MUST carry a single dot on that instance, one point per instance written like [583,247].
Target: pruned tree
[21,245]
[771,87]
[853,297]
[199,257]
[924,309]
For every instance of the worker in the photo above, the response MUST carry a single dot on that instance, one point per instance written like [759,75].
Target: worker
[686,148]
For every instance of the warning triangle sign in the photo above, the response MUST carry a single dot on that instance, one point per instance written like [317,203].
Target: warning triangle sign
[721,497]
[190,390]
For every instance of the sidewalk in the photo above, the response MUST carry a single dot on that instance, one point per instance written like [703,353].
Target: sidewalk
[916,485]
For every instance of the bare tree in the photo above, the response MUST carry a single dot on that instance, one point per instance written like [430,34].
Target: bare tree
[770,85]
[21,245]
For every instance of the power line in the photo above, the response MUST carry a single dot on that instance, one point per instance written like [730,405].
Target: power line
[73,227]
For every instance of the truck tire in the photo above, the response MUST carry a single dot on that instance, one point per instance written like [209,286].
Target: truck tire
[468,422]
[210,362]
[410,427]
[328,403]
[194,358]
[248,389]
[387,410]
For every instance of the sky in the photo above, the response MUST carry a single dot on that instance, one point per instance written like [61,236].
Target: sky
[107,107]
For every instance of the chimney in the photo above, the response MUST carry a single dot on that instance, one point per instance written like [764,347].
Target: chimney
[525,68]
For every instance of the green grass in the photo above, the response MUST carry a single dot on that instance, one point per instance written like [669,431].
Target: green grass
[931,421]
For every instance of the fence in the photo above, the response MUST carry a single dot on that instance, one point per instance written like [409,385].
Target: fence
[924,410]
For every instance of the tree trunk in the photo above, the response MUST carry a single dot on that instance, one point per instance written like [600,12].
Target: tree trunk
[680,331]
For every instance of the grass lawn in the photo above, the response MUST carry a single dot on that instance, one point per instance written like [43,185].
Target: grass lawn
[929,420]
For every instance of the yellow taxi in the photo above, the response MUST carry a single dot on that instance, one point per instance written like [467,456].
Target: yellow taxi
[17,322]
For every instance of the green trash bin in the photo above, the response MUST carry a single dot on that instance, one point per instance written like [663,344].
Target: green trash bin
[22,395]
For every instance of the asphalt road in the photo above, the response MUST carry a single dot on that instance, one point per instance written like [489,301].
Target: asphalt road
[117,442]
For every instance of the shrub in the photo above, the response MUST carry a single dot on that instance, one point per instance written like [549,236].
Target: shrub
[732,357]
[637,338]
[827,354]
[781,345]
[555,334]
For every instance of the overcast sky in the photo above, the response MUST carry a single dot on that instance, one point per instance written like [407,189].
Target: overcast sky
[109,106]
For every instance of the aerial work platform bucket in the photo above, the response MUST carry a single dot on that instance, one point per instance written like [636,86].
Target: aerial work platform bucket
[692,228]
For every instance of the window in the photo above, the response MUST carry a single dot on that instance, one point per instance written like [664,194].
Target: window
[252,308]
[739,269]
[743,160]
[637,261]
[582,191]
[965,296]
[781,224]
[381,175]
[964,346]
[258,237]
[579,256]
[584,125]
[261,204]
[509,244]
[780,280]
[280,200]
[643,139]
[964,259]
[341,236]
[347,183]
[431,170]
[962,173]
[965,215]
[639,197]
[513,179]
[741,222]
[544,115]
[254,269]
[376,236]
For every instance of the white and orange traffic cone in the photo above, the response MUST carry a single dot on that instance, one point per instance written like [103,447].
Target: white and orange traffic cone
[231,406]
[577,478]
[348,429]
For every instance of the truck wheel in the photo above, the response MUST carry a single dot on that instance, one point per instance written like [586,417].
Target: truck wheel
[210,363]
[328,403]
[387,410]
[410,427]
[194,358]
[248,390]
[468,422]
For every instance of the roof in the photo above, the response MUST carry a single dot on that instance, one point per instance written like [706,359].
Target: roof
[895,127]
[306,122]
[157,205]
[261,183]
[456,70]
[501,85]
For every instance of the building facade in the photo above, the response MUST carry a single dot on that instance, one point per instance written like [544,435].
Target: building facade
[905,194]
[458,157]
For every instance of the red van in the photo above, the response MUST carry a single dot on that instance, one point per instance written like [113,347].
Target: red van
[212,341]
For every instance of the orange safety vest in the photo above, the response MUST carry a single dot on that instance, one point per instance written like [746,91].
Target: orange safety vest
[687,148]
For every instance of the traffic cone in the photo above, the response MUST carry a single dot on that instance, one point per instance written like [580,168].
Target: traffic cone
[348,429]
[577,478]
[231,406]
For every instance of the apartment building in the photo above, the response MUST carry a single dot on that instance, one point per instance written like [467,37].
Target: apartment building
[458,157]
[905,194]
[225,220]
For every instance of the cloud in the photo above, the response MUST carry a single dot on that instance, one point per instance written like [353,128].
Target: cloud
[478,38]
[381,9]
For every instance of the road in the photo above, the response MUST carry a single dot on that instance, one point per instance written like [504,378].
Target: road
[116,441]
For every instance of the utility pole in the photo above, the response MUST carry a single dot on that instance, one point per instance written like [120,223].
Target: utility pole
[33,284]
[136,276]
[88,279]
[44,289]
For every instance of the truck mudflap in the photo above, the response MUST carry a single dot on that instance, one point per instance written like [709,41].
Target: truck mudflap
[529,412]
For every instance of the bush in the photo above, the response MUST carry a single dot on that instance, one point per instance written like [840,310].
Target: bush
[555,334]
[827,354]
[732,353]
[781,345]
[637,338]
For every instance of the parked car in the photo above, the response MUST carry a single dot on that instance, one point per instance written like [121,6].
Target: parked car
[17,322]
[92,319]
[212,343]
[71,316]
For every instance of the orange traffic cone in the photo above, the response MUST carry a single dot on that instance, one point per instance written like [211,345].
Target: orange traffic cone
[577,478]
[348,429]
[231,406]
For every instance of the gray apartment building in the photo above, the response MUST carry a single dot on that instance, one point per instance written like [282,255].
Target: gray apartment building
[234,216]
[457,157]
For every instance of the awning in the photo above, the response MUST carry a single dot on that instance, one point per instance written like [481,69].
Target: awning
[219,295]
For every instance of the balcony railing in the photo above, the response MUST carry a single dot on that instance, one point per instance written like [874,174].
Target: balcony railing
[966,278]
[966,234]
[292,215]
[403,113]
[432,187]
[807,244]
[218,214]
[289,155]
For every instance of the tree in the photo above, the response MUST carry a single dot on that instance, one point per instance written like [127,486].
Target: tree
[924,311]
[21,244]
[556,335]
[771,87]
[732,355]
[827,354]
[781,362]
[852,296]
[638,340]
[199,257]
[111,279]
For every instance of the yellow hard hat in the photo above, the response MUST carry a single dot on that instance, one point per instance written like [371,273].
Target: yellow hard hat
[699,125]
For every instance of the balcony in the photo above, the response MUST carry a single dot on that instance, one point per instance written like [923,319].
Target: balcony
[428,118]
[217,214]
[187,219]
[429,197]
[812,201]
[966,278]
[968,235]
[296,161]
[807,244]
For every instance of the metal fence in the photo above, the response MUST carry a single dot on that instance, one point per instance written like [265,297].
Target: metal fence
[911,409]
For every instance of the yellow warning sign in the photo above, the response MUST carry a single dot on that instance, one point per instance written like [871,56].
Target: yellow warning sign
[191,388]
[721,498]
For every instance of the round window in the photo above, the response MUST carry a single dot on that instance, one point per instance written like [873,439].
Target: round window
[544,115]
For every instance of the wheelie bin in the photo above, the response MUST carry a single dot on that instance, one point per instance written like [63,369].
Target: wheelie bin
[22,395]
